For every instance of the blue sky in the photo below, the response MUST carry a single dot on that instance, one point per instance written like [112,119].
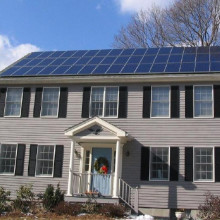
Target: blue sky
[31,25]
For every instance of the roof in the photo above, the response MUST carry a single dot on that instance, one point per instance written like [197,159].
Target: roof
[165,60]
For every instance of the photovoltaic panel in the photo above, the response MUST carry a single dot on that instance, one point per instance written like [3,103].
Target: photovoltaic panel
[91,53]
[127,52]
[202,50]
[202,58]
[214,49]
[83,60]
[189,58]
[215,66]
[96,60]
[158,67]
[148,59]
[21,71]
[143,68]
[115,69]
[151,51]
[22,62]
[129,68]
[187,67]
[70,61]
[47,70]
[45,54]
[121,60]
[80,53]
[74,69]
[161,59]
[35,54]
[58,61]
[60,70]
[115,52]
[172,68]
[139,52]
[34,71]
[103,52]
[108,60]
[215,57]
[101,69]
[56,54]
[45,62]
[135,59]
[87,69]
[177,50]
[68,53]
[165,50]
[34,62]
[175,59]
[10,71]
[190,50]
[202,67]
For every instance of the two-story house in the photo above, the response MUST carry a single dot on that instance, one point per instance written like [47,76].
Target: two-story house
[140,125]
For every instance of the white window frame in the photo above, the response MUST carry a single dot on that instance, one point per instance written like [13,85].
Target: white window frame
[13,116]
[58,104]
[212,116]
[11,174]
[213,165]
[160,180]
[103,112]
[41,175]
[156,86]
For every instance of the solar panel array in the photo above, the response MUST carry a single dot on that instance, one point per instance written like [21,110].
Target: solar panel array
[118,61]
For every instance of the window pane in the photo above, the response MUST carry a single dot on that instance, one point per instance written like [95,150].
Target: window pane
[50,102]
[159,163]
[111,101]
[203,163]
[45,155]
[97,101]
[160,102]
[7,158]
[203,101]
[13,102]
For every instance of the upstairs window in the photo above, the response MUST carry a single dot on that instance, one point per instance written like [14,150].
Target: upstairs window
[50,102]
[45,160]
[7,158]
[13,102]
[203,164]
[159,163]
[203,101]
[160,104]
[104,102]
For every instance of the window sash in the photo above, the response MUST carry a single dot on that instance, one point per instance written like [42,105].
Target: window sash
[160,102]
[8,157]
[203,164]
[45,160]
[49,108]
[203,106]
[13,102]
[159,168]
[106,105]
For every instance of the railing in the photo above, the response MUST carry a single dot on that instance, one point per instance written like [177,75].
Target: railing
[100,184]
[128,195]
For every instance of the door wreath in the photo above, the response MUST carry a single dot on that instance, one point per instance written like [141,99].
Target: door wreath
[101,165]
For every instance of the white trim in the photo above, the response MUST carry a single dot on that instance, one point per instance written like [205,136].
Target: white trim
[160,180]
[11,174]
[58,103]
[161,86]
[212,116]
[13,116]
[104,103]
[41,175]
[213,165]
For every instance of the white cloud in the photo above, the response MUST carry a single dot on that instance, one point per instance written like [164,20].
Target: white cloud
[137,5]
[9,53]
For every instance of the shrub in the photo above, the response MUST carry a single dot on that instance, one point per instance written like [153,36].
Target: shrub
[25,199]
[210,210]
[4,199]
[65,208]
[112,210]
[51,198]
[91,206]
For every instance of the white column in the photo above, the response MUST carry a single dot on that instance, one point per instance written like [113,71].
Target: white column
[117,169]
[70,180]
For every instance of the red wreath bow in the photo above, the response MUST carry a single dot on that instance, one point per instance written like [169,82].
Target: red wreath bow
[104,169]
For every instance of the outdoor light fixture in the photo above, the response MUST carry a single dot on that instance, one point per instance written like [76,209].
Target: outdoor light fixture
[78,155]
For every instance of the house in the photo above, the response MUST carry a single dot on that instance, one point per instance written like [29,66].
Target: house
[139,125]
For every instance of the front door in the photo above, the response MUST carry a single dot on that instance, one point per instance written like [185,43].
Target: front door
[101,170]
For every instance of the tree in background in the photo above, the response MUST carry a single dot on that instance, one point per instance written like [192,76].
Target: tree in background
[184,23]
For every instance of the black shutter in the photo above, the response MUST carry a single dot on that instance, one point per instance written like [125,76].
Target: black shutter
[58,163]
[217,101]
[85,104]
[174,164]
[145,160]
[26,102]
[217,164]
[146,101]
[189,164]
[2,101]
[37,103]
[32,160]
[63,102]
[189,101]
[123,102]
[20,160]
[175,102]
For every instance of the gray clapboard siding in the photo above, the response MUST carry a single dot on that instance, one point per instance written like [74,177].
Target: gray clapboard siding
[147,132]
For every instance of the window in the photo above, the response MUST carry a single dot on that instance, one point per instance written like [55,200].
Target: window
[8,158]
[50,102]
[203,101]
[45,160]
[159,167]
[104,102]
[203,164]
[160,102]
[87,160]
[13,102]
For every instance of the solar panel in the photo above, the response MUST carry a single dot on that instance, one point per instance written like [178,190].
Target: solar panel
[118,61]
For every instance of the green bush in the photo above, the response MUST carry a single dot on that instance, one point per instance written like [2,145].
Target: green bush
[65,208]
[4,199]
[112,210]
[25,199]
[51,198]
